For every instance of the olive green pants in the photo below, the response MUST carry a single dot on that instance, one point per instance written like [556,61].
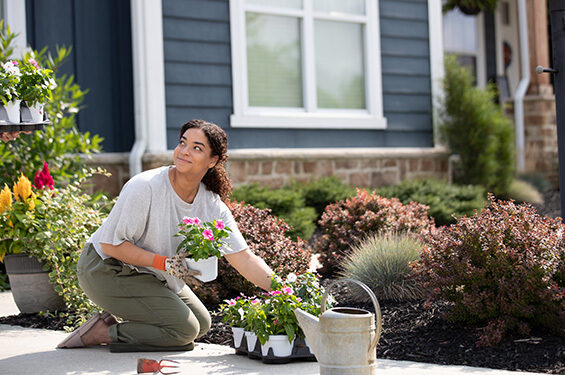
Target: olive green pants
[152,313]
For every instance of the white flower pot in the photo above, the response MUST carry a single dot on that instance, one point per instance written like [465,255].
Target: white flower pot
[308,345]
[36,112]
[280,344]
[237,336]
[13,111]
[208,267]
[251,338]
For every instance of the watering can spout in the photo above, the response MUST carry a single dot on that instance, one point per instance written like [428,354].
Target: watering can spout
[311,327]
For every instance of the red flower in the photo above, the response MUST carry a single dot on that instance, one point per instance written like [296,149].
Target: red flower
[43,178]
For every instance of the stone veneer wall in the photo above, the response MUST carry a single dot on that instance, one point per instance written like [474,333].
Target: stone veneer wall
[540,135]
[361,167]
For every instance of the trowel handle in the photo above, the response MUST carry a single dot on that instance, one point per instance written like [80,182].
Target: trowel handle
[378,321]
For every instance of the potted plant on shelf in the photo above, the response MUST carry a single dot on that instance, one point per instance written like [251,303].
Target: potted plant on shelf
[255,321]
[35,87]
[201,245]
[9,79]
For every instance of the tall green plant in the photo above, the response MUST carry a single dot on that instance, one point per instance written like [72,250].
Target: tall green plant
[474,127]
[58,144]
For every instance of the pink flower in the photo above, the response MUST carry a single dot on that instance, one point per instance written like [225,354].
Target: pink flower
[275,292]
[188,220]
[208,234]
[43,178]
[254,301]
[15,63]
[288,290]
[34,63]
[196,221]
[231,302]
[276,320]
[220,224]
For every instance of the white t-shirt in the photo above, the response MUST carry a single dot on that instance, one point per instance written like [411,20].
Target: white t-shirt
[148,212]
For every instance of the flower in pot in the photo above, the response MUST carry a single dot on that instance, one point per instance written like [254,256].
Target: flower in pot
[9,79]
[35,87]
[201,245]
[254,323]
[234,312]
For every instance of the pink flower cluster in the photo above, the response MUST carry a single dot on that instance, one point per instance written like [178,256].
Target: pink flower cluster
[43,178]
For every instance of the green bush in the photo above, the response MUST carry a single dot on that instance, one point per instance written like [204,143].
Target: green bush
[345,223]
[473,126]
[536,179]
[286,203]
[320,192]
[266,236]
[58,144]
[523,191]
[502,269]
[382,262]
[444,200]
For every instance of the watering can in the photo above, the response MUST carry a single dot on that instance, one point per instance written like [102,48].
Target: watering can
[344,339]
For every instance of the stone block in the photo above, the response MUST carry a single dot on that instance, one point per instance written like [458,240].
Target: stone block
[384,178]
[283,167]
[346,164]
[369,164]
[266,167]
[360,179]
[252,168]
[389,163]
[237,171]
[427,165]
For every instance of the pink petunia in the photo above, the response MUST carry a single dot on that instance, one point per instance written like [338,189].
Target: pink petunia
[288,290]
[220,224]
[208,234]
[188,220]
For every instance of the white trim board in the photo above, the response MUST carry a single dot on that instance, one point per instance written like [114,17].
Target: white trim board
[15,17]
[437,68]
[309,116]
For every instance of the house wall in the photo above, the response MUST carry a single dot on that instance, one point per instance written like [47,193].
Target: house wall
[361,167]
[198,79]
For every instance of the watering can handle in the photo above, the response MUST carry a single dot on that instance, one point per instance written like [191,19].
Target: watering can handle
[375,303]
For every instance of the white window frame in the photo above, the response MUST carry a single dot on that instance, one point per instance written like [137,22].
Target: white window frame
[309,117]
[15,17]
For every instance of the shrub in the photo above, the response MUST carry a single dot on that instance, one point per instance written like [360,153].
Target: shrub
[345,223]
[444,200]
[58,144]
[474,127]
[320,192]
[501,269]
[382,263]
[265,235]
[538,180]
[286,203]
[523,191]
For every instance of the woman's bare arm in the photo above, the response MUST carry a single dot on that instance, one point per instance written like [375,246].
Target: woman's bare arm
[129,253]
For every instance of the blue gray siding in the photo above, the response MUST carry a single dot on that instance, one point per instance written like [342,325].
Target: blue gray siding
[198,78]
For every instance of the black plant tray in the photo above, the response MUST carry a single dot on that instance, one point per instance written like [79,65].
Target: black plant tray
[299,352]
[25,125]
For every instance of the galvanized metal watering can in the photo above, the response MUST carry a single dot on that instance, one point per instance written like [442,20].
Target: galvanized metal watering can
[344,339]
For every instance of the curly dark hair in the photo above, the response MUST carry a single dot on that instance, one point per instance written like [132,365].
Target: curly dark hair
[216,179]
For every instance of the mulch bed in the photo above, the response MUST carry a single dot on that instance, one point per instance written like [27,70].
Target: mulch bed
[414,332]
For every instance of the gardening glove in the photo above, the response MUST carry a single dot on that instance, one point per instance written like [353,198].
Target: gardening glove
[176,266]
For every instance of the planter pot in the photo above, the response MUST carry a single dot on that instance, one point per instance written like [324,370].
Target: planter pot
[251,338]
[36,112]
[280,345]
[237,336]
[208,267]
[308,346]
[30,285]
[13,111]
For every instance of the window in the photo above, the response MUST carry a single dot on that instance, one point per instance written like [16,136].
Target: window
[463,37]
[306,64]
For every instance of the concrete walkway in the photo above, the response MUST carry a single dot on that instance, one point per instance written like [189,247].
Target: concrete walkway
[32,351]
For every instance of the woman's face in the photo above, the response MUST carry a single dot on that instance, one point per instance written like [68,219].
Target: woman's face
[193,154]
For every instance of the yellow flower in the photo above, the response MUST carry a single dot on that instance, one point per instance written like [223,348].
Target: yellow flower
[5,198]
[32,202]
[22,188]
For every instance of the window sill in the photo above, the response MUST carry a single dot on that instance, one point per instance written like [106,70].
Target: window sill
[308,121]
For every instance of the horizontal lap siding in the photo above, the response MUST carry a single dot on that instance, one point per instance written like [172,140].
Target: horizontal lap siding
[198,78]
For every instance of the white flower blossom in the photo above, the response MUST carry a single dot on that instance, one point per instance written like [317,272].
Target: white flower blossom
[291,277]
[52,84]
[12,69]
[241,313]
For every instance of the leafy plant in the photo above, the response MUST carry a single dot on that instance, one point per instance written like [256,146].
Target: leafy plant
[502,268]
[345,223]
[9,80]
[320,192]
[233,311]
[265,235]
[489,5]
[202,240]
[35,83]
[59,144]
[523,191]
[382,262]
[473,126]
[446,202]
